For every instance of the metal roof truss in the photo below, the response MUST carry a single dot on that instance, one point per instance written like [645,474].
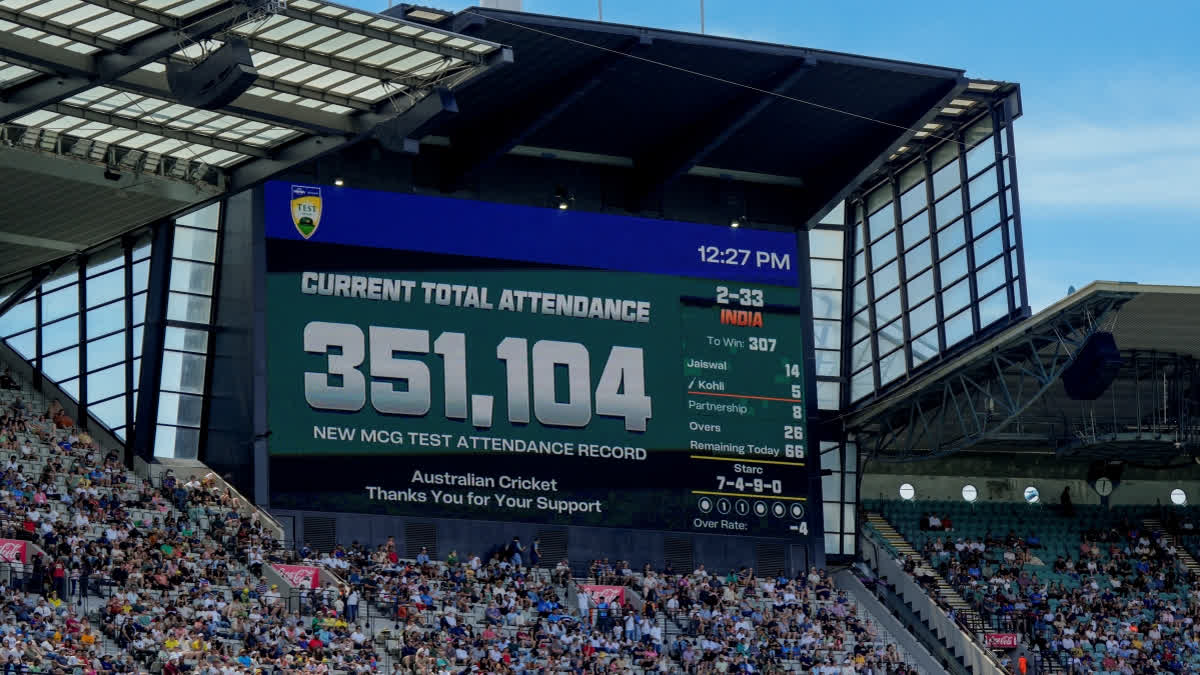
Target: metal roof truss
[978,402]
[86,78]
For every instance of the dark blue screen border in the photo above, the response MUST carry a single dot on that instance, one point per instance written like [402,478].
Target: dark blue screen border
[530,234]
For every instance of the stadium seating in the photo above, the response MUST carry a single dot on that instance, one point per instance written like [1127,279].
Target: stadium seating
[128,576]
[1095,590]
[671,623]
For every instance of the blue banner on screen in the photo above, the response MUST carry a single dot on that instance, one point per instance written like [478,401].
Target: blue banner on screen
[334,215]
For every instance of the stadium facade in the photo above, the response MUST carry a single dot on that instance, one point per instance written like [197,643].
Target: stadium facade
[163,247]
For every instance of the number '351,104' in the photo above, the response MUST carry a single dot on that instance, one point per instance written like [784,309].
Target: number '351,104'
[620,392]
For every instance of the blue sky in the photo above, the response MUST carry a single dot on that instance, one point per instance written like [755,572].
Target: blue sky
[1108,149]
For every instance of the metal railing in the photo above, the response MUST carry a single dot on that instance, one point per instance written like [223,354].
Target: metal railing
[249,506]
[971,638]
[915,625]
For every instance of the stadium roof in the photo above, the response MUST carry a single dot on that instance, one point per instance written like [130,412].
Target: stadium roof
[1006,392]
[667,104]
[85,81]
[97,145]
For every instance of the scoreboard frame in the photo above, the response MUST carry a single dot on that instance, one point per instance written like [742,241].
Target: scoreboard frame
[730,261]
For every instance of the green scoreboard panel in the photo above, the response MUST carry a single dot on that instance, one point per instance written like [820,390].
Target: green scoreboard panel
[447,358]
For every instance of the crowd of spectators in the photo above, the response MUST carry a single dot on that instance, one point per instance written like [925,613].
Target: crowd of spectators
[124,575]
[1122,602]
[128,575]
[803,622]
[494,614]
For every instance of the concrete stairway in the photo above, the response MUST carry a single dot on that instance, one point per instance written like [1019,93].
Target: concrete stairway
[891,629]
[944,590]
[1154,525]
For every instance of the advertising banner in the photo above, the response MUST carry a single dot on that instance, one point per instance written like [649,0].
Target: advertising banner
[14,550]
[1001,640]
[300,576]
[613,595]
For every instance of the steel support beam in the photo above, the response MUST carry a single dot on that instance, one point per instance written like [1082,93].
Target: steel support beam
[46,26]
[953,90]
[40,242]
[158,130]
[659,166]
[309,56]
[249,106]
[155,16]
[473,152]
[48,60]
[498,55]
[128,243]
[81,417]
[36,277]
[38,55]
[315,93]
[405,123]
[976,402]
[474,15]
[278,48]
[141,441]
[30,53]
[110,66]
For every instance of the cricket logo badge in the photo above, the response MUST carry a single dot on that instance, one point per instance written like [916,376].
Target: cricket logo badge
[306,209]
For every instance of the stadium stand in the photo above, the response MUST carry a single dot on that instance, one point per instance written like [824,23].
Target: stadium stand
[124,575]
[689,622]
[1092,589]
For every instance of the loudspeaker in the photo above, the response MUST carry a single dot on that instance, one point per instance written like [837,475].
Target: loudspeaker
[1094,369]
[217,80]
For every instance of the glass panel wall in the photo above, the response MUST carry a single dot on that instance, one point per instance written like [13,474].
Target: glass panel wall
[186,336]
[826,247]
[839,494]
[82,328]
[936,256]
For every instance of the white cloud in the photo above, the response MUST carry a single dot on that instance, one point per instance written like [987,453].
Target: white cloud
[1071,163]
[1088,184]
[1050,277]
[1137,145]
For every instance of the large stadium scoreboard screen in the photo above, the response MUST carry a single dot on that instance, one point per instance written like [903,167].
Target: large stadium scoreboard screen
[448,358]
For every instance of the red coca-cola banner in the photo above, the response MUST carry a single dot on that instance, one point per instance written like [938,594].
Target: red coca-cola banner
[613,595]
[14,550]
[1000,640]
[300,576]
